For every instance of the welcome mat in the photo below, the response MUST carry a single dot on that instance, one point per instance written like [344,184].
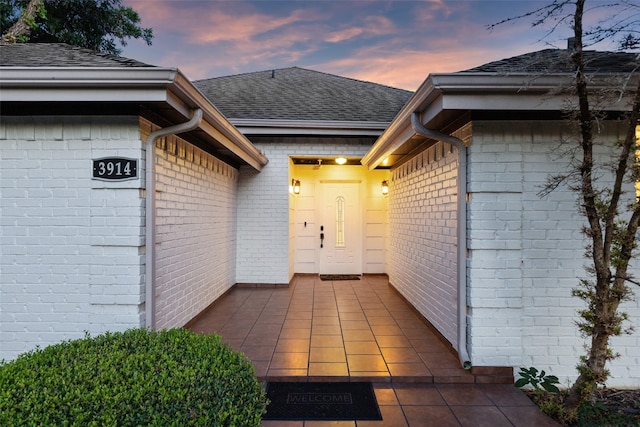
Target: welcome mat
[339,277]
[321,401]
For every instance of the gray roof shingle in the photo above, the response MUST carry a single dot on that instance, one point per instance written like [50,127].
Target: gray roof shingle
[59,55]
[559,61]
[302,94]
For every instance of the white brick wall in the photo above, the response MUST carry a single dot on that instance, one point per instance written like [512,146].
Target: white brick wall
[422,244]
[70,246]
[196,226]
[526,254]
[263,208]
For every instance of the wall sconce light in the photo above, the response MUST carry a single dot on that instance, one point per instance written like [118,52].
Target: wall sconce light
[295,186]
[385,188]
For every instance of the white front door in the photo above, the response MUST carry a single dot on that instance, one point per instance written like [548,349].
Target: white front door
[341,226]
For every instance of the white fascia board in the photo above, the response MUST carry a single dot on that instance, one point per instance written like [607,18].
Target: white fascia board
[306,131]
[501,102]
[524,82]
[492,82]
[83,95]
[309,127]
[26,75]
[84,84]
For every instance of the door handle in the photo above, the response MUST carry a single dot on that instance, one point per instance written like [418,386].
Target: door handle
[321,236]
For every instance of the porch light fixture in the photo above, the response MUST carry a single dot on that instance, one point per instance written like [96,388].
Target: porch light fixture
[385,188]
[341,160]
[294,188]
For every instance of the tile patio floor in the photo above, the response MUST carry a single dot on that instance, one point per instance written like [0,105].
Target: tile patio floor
[362,330]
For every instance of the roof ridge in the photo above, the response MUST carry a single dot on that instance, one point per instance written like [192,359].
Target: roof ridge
[61,55]
[354,79]
[554,60]
[295,67]
[296,93]
[247,73]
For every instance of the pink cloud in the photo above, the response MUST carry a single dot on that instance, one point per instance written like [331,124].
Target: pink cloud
[405,68]
[220,26]
[370,26]
[434,10]
[220,22]
[213,38]
[342,35]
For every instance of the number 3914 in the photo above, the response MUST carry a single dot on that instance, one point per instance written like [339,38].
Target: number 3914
[115,168]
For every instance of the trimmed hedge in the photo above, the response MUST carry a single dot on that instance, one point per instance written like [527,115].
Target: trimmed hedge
[172,377]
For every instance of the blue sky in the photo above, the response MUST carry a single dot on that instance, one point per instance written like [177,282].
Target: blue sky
[397,43]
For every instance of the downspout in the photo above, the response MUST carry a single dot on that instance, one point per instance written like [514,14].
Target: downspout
[150,210]
[419,128]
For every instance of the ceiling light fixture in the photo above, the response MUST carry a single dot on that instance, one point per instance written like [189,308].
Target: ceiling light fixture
[341,160]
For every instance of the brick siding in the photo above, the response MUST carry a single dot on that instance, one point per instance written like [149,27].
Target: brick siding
[71,247]
[526,254]
[196,226]
[422,244]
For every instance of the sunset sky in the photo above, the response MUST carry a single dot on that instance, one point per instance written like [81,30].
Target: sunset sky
[396,43]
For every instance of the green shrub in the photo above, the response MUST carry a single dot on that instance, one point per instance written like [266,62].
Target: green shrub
[537,379]
[171,377]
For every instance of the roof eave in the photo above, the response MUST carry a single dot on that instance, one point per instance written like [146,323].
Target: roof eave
[98,84]
[126,84]
[467,91]
[309,127]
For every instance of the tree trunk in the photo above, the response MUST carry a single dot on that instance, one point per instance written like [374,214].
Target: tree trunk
[593,369]
[22,28]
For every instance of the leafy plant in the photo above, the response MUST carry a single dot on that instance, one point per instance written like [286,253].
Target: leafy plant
[595,414]
[537,379]
[103,25]
[138,377]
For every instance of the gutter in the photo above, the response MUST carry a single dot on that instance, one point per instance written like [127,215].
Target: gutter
[150,210]
[312,127]
[418,127]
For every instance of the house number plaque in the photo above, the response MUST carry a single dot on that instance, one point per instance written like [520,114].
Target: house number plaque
[115,169]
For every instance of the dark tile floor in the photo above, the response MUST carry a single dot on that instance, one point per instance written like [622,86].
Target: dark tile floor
[361,330]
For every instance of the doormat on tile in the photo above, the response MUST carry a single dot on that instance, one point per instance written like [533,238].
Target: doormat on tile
[339,277]
[321,401]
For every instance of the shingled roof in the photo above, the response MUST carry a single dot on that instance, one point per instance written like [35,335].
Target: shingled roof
[302,94]
[59,55]
[559,61]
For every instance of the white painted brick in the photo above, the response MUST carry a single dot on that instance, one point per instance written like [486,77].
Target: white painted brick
[196,225]
[422,251]
[47,261]
[525,252]
[551,254]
